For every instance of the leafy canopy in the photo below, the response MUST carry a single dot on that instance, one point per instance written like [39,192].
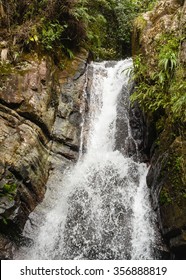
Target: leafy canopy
[102,26]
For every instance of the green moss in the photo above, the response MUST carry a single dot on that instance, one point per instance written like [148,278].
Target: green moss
[6,68]
[164,197]
[173,173]
[140,23]
[5,221]
[9,190]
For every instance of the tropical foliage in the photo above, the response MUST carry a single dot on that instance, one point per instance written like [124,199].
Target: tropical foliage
[163,90]
[104,27]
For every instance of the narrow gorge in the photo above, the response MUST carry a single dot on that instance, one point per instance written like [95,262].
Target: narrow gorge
[100,208]
[92,155]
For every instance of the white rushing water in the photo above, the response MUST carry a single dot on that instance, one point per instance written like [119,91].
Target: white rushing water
[101,209]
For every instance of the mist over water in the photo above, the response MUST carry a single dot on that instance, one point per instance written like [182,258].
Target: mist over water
[99,208]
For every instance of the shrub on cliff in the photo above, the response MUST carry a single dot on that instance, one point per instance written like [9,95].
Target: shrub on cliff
[104,27]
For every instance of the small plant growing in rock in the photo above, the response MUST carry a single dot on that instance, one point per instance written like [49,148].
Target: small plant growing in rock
[8,190]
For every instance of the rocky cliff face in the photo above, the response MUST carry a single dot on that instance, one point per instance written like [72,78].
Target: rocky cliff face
[40,128]
[166,146]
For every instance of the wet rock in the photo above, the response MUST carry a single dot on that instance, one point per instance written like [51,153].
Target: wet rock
[178,245]
[6,250]
[67,125]
[75,118]
[166,178]
[139,132]
[134,143]
[65,132]
[64,151]
[23,158]
[23,90]
[40,129]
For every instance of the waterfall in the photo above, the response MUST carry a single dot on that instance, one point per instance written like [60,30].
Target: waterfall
[99,208]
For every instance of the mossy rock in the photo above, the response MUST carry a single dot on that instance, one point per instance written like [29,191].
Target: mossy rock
[172,197]
[174,171]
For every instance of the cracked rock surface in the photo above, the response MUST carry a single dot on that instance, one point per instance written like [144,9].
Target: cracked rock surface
[39,129]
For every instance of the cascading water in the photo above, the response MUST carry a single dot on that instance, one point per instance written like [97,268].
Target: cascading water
[101,209]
